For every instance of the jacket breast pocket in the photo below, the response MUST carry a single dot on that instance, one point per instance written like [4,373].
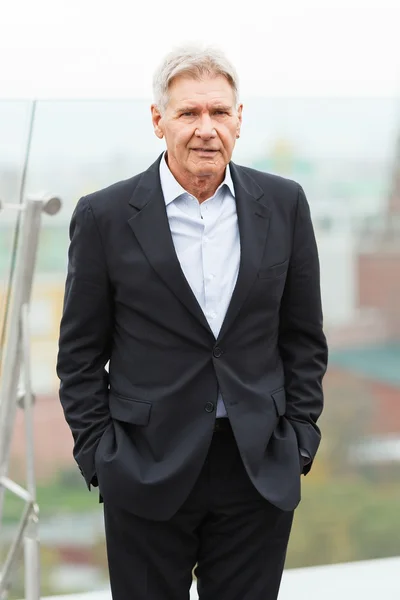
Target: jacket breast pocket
[274,270]
[129,410]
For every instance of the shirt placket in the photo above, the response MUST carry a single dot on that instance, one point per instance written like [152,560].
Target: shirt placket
[210,264]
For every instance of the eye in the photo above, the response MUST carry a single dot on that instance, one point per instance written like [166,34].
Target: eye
[187,114]
[221,112]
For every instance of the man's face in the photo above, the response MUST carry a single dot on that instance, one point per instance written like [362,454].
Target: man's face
[200,125]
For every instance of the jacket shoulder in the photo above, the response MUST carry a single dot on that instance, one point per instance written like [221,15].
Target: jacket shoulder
[118,193]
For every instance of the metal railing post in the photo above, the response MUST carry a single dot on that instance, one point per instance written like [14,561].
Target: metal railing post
[16,370]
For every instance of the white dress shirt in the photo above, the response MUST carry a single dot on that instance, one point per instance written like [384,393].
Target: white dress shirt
[207,244]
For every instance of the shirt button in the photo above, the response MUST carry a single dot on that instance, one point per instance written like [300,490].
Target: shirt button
[209,407]
[217,352]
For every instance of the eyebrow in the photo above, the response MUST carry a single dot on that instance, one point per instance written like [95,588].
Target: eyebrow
[185,109]
[222,107]
[193,108]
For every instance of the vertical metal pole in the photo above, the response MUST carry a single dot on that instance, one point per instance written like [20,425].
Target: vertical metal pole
[32,563]
[21,291]
[31,539]
[17,356]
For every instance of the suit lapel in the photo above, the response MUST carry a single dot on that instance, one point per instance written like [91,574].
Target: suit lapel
[253,220]
[151,228]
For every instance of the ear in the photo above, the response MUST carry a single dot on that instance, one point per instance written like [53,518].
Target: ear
[240,111]
[156,118]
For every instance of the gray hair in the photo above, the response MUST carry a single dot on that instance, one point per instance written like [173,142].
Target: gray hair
[194,61]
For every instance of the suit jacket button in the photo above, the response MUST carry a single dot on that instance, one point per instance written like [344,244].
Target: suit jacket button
[209,407]
[217,352]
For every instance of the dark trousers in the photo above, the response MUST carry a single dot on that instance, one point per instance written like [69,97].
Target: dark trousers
[237,539]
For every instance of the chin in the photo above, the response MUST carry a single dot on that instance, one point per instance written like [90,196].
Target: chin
[204,170]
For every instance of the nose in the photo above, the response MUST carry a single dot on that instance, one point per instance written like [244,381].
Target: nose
[205,130]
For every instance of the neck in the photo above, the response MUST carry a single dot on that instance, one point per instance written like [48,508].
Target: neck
[201,188]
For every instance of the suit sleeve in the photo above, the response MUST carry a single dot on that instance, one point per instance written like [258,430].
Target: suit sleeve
[85,339]
[302,342]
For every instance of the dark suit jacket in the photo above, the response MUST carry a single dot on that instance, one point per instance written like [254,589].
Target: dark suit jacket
[143,428]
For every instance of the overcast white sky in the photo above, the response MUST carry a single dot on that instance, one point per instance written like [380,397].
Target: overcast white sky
[93,48]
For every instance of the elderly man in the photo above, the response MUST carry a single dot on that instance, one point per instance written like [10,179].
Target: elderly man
[198,281]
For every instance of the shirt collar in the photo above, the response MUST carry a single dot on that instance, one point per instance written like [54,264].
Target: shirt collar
[172,189]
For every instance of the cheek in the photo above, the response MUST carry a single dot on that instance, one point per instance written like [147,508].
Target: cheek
[228,139]
[182,139]
[174,137]
[180,144]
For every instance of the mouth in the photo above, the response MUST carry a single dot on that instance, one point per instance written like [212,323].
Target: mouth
[205,151]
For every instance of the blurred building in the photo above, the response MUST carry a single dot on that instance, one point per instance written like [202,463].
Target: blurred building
[369,347]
